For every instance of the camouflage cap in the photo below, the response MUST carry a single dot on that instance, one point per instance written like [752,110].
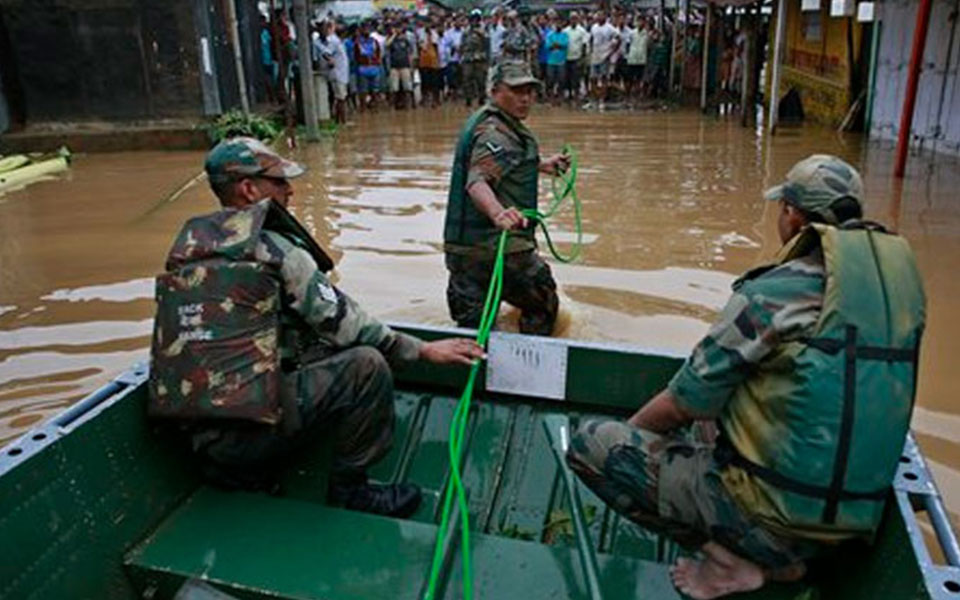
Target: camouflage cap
[816,182]
[241,156]
[244,156]
[513,73]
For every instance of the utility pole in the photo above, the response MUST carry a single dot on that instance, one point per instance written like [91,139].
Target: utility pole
[673,50]
[913,78]
[750,27]
[776,58]
[704,79]
[232,28]
[305,58]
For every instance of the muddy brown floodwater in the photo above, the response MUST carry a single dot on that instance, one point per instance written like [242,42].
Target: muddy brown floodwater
[672,211]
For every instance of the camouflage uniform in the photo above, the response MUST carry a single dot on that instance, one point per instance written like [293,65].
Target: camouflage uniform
[527,284]
[500,150]
[517,43]
[474,50]
[337,370]
[790,406]
[673,484]
[333,359]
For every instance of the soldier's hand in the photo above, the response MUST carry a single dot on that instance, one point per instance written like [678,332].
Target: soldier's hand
[451,351]
[510,218]
[556,164]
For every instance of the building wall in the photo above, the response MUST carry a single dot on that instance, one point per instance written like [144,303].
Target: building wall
[817,60]
[86,60]
[936,119]
[103,58]
[350,9]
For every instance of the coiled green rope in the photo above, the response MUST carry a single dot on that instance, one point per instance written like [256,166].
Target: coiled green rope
[563,186]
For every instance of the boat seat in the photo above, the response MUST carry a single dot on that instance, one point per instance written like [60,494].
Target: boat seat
[254,545]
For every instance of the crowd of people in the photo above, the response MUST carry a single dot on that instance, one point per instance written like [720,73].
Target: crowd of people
[405,60]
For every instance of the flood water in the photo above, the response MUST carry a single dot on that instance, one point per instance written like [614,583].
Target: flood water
[672,213]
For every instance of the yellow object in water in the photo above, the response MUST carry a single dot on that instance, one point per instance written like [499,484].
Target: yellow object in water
[27,174]
[15,161]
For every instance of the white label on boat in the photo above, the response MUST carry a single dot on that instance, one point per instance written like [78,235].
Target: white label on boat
[527,366]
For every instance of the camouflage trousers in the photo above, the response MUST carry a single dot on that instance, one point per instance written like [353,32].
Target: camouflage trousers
[527,284]
[671,485]
[474,81]
[348,395]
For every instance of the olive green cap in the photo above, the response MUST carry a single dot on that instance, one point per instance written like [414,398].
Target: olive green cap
[816,182]
[513,73]
[246,156]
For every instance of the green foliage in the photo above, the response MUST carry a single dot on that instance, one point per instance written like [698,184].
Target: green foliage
[235,123]
[810,593]
[559,525]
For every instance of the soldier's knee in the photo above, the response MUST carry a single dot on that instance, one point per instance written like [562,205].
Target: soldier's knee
[584,450]
[591,444]
[368,358]
[368,362]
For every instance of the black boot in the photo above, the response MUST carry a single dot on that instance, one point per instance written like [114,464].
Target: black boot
[354,492]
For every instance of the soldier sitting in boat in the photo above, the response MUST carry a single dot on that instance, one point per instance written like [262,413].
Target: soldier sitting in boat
[256,351]
[810,377]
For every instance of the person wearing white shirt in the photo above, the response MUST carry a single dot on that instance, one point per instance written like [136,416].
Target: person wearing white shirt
[332,52]
[604,42]
[579,44]
[639,39]
[617,57]
[495,32]
[450,45]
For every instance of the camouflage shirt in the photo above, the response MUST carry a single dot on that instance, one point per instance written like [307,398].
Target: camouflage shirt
[474,45]
[517,43]
[780,305]
[337,321]
[504,153]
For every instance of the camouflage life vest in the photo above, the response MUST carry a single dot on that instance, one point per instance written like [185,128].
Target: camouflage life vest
[216,340]
[811,446]
[464,224]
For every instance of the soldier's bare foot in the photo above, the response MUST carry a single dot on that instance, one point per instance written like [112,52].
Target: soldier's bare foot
[719,574]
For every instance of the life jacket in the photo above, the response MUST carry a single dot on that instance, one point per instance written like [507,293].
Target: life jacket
[811,443]
[218,335]
[464,224]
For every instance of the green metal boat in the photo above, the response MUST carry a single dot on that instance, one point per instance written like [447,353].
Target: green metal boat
[101,503]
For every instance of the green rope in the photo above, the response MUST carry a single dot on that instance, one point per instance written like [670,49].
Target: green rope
[563,187]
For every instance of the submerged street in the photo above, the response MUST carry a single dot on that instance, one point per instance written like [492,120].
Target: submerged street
[672,213]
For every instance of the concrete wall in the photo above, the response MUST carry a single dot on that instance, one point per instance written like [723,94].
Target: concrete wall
[936,120]
[103,59]
[83,60]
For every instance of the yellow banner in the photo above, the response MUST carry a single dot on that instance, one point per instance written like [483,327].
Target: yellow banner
[395,4]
